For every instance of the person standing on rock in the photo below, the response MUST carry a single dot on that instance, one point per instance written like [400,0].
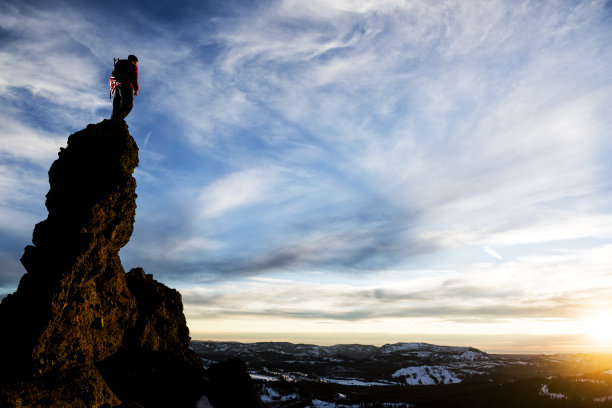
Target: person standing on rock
[124,83]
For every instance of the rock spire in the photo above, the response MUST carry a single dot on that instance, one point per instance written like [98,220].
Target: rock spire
[80,331]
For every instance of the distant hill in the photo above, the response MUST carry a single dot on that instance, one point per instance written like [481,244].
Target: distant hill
[414,375]
[399,363]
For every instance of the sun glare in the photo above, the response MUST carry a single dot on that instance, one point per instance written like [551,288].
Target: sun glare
[599,326]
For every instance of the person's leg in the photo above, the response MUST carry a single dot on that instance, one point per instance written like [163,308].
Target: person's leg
[126,102]
[116,103]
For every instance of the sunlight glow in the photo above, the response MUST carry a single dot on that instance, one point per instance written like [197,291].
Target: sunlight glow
[599,326]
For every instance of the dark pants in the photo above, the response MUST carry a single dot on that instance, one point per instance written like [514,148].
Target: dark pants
[123,101]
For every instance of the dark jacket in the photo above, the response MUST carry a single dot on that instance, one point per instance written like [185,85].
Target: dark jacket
[126,72]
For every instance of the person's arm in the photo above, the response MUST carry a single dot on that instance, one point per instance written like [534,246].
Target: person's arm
[135,80]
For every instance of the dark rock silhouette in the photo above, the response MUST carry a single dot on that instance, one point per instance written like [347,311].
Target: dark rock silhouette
[229,385]
[79,331]
[73,305]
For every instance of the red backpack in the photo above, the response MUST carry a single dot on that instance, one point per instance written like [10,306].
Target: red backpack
[119,75]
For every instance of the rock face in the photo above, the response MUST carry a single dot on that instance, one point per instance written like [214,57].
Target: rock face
[79,331]
[73,305]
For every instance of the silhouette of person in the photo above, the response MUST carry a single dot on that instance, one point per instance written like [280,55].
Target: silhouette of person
[125,84]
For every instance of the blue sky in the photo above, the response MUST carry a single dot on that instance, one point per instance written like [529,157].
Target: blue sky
[339,171]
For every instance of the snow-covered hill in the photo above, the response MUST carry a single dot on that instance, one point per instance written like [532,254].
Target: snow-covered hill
[425,350]
[353,364]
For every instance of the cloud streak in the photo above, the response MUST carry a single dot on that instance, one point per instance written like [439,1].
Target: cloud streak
[492,252]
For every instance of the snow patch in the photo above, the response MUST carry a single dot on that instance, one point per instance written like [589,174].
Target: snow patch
[427,375]
[355,382]
[321,404]
[324,404]
[264,377]
[391,348]
[269,394]
[274,376]
[552,395]
[203,403]
[471,355]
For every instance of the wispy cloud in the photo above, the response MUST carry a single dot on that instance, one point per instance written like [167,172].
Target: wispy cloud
[492,252]
[530,289]
[240,189]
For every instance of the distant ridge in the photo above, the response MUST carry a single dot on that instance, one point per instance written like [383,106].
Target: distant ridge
[357,350]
